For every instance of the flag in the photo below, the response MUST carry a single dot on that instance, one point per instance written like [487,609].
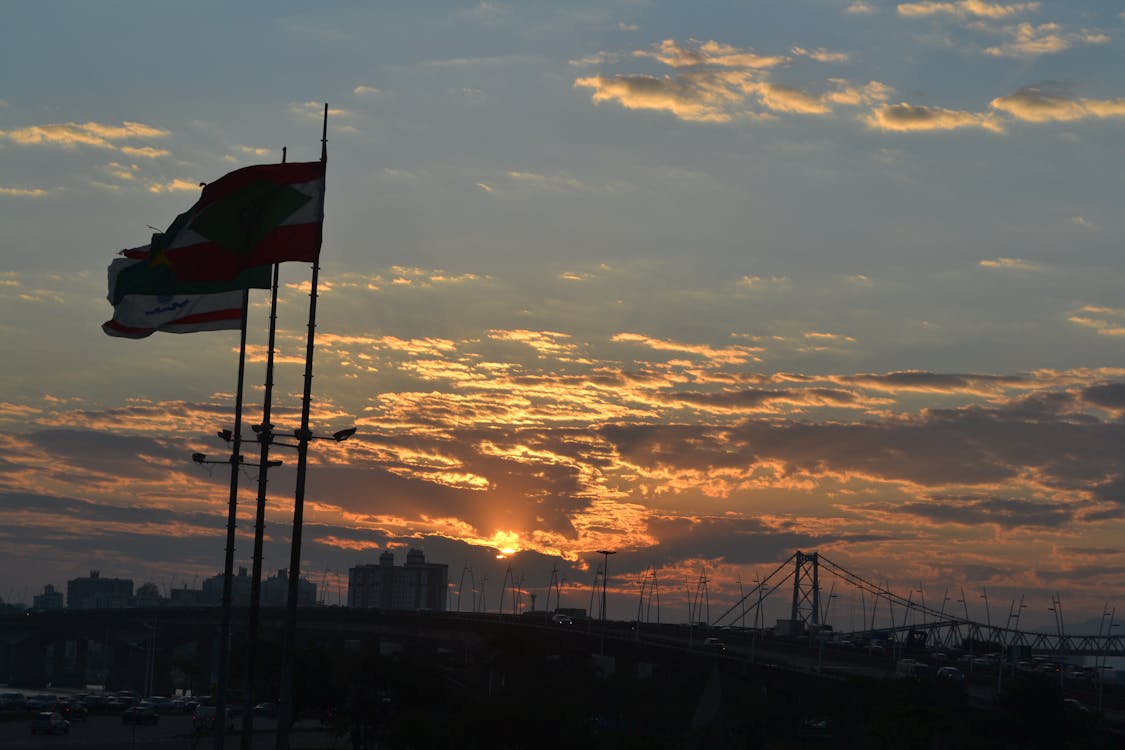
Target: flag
[254,216]
[136,316]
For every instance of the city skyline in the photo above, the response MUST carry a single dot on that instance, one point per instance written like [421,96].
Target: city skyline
[703,286]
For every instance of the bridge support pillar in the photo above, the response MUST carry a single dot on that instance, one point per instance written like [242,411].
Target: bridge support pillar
[82,661]
[29,664]
[806,589]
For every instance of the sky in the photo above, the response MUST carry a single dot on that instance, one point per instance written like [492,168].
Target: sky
[703,284]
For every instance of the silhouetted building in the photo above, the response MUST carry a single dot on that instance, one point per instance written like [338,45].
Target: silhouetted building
[274,593]
[239,589]
[186,597]
[416,585]
[49,599]
[96,592]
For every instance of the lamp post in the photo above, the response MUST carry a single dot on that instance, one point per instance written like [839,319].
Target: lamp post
[1056,607]
[605,553]
[1105,648]
[265,437]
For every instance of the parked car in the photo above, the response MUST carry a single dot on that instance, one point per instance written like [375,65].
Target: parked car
[203,719]
[73,710]
[160,703]
[714,644]
[12,701]
[267,709]
[142,713]
[950,674]
[1076,706]
[560,619]
[49,722]
[42,702]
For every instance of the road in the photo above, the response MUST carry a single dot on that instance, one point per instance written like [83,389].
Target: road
[170,733]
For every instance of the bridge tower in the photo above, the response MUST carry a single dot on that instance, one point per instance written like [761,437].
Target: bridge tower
[806,589]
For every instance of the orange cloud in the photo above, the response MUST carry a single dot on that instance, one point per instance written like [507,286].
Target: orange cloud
[72,134]
[965,9]
[1042,104]
[903,118]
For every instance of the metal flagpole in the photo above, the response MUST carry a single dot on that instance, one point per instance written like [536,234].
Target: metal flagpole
[232,517]
[265,437]
[286,713]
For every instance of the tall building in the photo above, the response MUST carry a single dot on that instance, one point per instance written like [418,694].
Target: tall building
[96,592]
[49,599]
[416,585]
[239,589]
[275,590]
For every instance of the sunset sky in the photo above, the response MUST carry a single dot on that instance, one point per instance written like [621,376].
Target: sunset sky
[703,283]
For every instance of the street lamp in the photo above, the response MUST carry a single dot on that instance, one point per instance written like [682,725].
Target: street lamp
[605,553]
[264,435]
[1105,648]
[1056,607]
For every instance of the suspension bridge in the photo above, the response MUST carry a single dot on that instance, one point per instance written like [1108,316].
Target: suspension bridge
[803,574]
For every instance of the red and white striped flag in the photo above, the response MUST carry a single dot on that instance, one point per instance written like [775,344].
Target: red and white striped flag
[137,316]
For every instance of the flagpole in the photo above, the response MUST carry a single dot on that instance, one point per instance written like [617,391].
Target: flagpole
[288,658]
[232,518]
[265,437]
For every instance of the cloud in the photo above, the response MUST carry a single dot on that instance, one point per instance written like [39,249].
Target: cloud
[718,83]
[710,53]
[13,192]
[1028,40]
[860,7]
[821,55]
[362,90]
[146,152]
[1107,321]
[729,355]
[72,135]
[543,342]
[1006,513]
[1015,264]
[174,186]
[694,98]
[1051,103]
[965,9]
[903,118]
[917,381]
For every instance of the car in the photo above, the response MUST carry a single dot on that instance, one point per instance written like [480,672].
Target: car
[714,644]
[267,709]
[49,722]
[42,702]
[950,674]
[141,713]
[160,703]
[203,718]
[1076,706]
[12,701]
[560,619]
[73,710]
